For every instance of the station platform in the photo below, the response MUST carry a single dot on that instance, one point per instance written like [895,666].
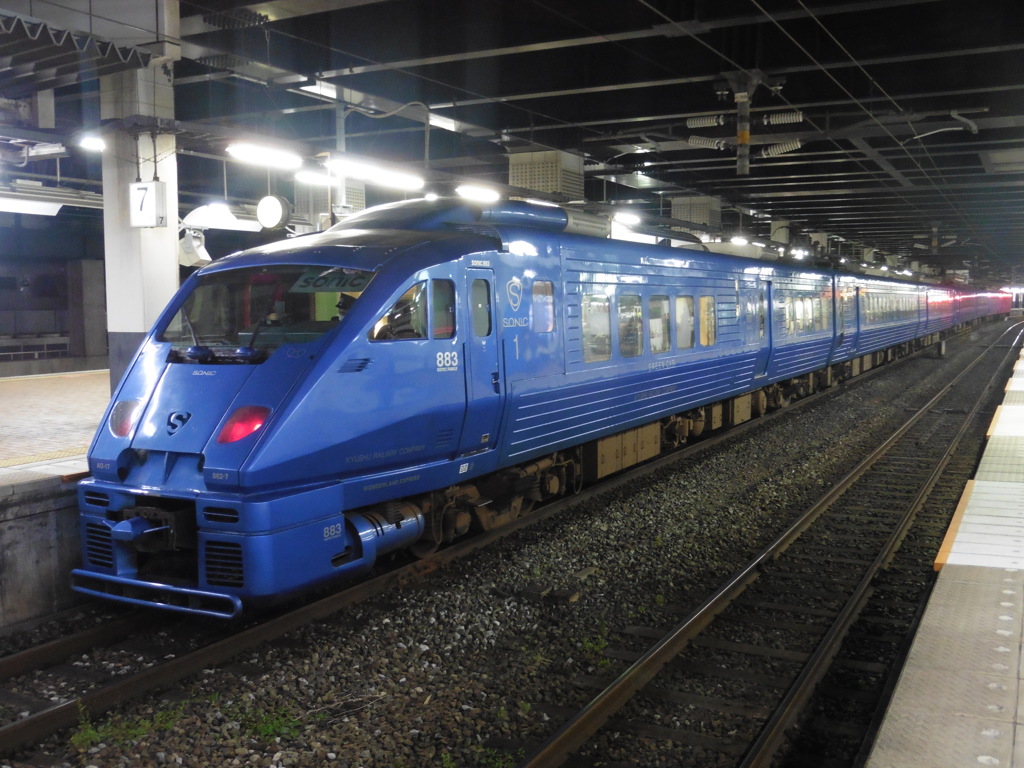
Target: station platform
[960,696]
[48,423]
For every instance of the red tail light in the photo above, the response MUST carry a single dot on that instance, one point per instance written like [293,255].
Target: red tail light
[243,423]
[123,416]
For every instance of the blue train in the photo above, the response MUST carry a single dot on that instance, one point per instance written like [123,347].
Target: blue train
[427,367]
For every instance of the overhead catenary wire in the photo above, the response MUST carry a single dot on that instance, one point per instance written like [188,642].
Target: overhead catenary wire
[739,68]
[938,188]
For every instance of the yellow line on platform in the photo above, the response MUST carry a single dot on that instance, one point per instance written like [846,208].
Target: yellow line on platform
[954,527]
[67,453]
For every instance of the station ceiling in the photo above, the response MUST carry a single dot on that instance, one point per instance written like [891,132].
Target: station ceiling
[891,124]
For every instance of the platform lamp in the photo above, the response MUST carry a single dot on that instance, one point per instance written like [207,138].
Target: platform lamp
[273,212]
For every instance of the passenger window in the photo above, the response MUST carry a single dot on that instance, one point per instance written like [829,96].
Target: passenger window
[480,304]
[661,324]
[761,312]
[406,319]
[684,322]
[543,306]
[631,326]
[597,329]
[443,308]
[708,321]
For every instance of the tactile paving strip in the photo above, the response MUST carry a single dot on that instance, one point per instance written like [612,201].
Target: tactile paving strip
[958,695]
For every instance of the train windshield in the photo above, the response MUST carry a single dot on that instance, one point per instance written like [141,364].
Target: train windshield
[242,315]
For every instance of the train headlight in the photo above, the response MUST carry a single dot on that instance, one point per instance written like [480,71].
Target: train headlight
[123,417]
[243,422]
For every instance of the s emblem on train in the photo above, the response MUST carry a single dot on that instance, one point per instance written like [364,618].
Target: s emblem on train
[177,420]
[514,289]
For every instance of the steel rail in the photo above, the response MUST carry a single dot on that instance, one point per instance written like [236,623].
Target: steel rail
[36,727]
[763,749]
[62,648]
[573,734]
[40,725]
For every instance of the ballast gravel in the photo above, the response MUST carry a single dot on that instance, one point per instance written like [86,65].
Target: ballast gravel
[476,663]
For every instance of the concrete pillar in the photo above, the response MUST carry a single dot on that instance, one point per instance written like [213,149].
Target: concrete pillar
[141,262]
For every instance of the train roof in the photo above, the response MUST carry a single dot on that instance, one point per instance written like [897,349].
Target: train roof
[375,236]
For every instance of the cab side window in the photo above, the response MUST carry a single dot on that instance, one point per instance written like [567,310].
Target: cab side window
[407,319]
[442,309]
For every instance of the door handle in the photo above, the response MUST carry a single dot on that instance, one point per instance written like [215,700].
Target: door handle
[496,383]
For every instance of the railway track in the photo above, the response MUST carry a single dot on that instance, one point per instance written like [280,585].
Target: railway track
[96,693]
[846,711]
[729,681]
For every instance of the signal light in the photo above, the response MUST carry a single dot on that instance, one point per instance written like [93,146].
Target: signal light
[123,417]
[243,422]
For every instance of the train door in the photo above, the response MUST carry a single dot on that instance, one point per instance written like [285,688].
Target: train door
[483,379]
[764,329]
[854,312]
[838,325]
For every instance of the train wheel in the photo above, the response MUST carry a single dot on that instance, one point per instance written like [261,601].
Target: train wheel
[424,548]
[525,505]
[488,519]
[697,422]
[782,397]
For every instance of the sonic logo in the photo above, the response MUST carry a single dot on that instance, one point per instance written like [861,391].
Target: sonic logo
[514,289]
[177,420]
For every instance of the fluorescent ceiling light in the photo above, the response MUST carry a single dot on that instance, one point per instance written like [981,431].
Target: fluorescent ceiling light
[315,179]
[37,207]
[219,216]
[42,151]
[476,193]
[269,157]
[442,122]
[92,143]
[373,174]
[321,88]
[628,219]
[1003,161]
[739,240]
